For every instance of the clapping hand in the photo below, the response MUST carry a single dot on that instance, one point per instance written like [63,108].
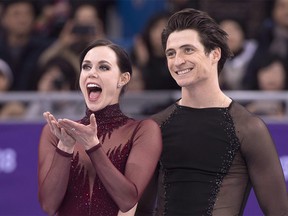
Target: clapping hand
[61,133]
[85,135]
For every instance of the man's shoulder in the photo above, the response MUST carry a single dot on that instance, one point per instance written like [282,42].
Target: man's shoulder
[164,114]
[244,117]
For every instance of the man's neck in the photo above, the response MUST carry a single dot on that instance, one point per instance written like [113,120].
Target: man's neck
[198,98]
[18,40]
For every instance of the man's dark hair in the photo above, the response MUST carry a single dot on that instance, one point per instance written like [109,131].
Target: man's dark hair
[211,35]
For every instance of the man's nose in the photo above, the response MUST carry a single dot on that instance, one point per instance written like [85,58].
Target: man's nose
[179,59]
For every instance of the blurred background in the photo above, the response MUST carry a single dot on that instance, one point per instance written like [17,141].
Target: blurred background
[40,43]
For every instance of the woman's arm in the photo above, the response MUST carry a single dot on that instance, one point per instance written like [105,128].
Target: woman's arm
[53,168]
[125,189]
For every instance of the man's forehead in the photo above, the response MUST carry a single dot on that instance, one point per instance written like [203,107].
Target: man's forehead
[182,38]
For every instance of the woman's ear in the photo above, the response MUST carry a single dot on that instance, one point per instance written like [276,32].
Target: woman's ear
[124,79]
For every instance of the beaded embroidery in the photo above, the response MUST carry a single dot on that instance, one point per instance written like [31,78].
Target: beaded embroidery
[227,159]
[78,199]
[107,119]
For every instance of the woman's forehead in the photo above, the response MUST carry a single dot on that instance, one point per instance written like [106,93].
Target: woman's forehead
[101,53]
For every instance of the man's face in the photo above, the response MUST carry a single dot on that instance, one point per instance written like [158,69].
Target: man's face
[280,13]
[187,61]
[19,18]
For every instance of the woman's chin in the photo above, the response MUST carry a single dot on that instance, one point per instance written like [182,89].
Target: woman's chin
[93,105]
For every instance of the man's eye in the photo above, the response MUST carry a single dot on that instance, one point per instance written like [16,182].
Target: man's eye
[188,50]
[170,54]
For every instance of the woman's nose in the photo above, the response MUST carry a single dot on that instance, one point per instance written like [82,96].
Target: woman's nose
[93,73]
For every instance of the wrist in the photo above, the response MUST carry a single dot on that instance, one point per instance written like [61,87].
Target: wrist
[91,144]
[67,149]
[93,148]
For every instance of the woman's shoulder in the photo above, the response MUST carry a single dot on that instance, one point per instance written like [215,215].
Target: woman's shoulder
[147,123]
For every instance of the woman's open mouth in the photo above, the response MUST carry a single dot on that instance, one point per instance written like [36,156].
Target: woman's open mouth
[94,91]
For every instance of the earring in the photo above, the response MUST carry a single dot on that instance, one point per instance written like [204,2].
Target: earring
[119,85]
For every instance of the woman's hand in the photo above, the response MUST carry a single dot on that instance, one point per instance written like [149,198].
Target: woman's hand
[83,134]
[66,142]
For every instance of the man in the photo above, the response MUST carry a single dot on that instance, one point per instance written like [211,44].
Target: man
[20,46]
[214,150]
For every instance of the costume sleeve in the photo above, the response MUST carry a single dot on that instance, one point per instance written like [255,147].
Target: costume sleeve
[264,168]
[147,204]
[127,189]
[53,172]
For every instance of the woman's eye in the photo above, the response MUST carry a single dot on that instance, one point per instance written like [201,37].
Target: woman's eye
[104,67]
[86,67]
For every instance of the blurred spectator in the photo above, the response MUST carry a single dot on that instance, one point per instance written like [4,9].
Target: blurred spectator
[243,49]
[11,109]
[251,12]
[274,33]
[57,75]
[177,5]
[6,76]
[52,18]
[273,37]
[135,13]
[149,56]
[19,46]
[104,9]
[1,8]
[271,74]
[83,27]
[136,83]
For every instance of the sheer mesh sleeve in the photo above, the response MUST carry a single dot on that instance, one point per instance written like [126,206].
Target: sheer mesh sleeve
[148,202]
[265,171]
[126,190]
[53,172]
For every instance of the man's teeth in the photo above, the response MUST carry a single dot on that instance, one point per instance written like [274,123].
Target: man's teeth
[183,71]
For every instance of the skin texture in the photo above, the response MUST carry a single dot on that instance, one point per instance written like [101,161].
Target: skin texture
[104,73]
[194,70]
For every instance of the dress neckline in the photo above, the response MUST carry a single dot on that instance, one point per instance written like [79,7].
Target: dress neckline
[108,119]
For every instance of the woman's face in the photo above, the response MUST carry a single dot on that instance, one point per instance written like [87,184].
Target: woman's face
[235,34]
[100,79]
[272,78]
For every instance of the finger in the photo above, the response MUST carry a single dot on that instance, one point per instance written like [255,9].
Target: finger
[48,119]
[68,125]
[63,132]
[56,128]
[93,120]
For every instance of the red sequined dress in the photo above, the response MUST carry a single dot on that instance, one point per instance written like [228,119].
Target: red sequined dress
[119,136]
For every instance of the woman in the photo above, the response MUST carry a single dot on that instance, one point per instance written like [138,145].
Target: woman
[102,163]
